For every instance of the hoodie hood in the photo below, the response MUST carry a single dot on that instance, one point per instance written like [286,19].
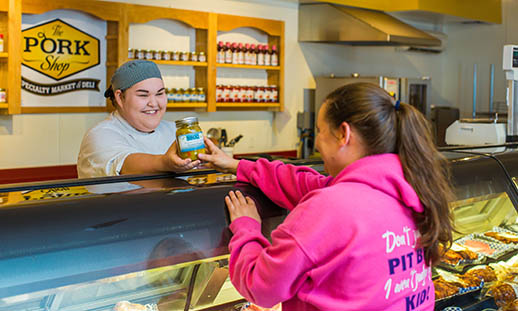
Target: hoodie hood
[382,172]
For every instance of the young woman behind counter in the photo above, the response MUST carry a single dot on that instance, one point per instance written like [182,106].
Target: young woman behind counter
[354,238]
[134,138]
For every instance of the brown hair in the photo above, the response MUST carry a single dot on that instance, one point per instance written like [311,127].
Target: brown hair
[372,112]
[110,93]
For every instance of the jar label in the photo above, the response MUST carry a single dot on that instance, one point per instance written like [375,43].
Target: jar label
[191,141]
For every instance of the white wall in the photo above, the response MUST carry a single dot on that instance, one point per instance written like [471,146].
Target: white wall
[53,139]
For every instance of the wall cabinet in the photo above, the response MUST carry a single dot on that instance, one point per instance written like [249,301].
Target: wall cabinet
[119,18]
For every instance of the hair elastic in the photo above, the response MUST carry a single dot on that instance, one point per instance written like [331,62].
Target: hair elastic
[397,105]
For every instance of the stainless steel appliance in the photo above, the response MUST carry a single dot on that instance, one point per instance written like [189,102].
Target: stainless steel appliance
[413,91]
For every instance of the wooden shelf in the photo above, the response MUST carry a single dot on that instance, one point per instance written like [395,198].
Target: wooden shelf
[179,63]
[248,105]
[248,66]
[4,105]
[186,105]
[3,55]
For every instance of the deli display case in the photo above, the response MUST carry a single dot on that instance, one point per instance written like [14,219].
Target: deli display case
[159,242]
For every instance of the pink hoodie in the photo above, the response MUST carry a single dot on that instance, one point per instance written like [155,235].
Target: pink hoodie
[349,242]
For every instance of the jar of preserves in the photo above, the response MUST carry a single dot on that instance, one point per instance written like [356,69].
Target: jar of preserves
[165,55]
[186,95]
[267,94]
[201,95]
[202,57]
[194,57]
[190,138]
[177,96]
[140,54]
[175,56]
[170,95]
[157,55]
[149,54]
[131,53]
[185,56]
[194,95]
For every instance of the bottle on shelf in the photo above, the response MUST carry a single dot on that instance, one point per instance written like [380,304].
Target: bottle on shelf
[247,54]
[3,95]
[267,56]
[274,94]
[219,93]
[1,42]
[241,54]
[226,93]
[202,57]
[249,94]
[274,56]
[235,53]
[267,95]
[131,52]
[220,58]
[260,55]
[228,53]
[253,55]
[201,95]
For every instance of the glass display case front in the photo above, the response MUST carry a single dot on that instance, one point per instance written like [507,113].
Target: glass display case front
[137,244]
[159,242]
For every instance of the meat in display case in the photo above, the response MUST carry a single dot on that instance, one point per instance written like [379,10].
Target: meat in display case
[159,242]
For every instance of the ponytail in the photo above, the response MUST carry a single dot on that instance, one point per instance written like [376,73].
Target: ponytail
[389,128]
[428,173]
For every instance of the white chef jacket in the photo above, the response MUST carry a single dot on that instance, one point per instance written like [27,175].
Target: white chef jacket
[105,146]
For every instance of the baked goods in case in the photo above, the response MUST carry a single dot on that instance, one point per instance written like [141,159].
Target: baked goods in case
[456,254]
[444,289]
[503,237]
[503,293]
[128,306]
[482,273]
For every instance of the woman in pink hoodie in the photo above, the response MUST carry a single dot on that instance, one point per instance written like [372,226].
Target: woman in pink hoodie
[364,237]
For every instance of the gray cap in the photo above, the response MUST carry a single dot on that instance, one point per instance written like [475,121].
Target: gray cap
[133,72]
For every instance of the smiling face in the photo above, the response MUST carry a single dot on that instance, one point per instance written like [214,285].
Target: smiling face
[143,105]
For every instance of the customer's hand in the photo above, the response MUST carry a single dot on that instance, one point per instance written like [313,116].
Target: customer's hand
[176,164]
[218,159]
[239,206]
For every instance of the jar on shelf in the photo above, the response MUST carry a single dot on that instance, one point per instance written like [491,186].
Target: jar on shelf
[186,95]
[140,54]
[157,55]
[193,95]
[202,57]
[175,55]
[190,138]
[149,54]
[3,95]
[131,53]
[166,55]
[177,95]
[201,95]
[194,57]
[170,95]
[185,56]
